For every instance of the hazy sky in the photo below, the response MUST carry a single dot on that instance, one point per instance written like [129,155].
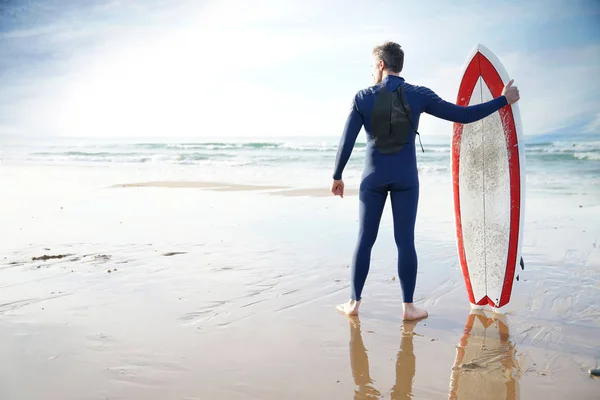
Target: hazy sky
[275,67]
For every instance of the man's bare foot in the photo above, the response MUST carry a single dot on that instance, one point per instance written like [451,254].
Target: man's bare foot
[412,313]
[349,308]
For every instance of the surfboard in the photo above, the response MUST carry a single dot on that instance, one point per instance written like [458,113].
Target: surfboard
[488,173]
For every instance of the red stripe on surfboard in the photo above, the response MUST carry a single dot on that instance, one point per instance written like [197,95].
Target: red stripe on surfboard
[494,82]
[465,91]
[481,66]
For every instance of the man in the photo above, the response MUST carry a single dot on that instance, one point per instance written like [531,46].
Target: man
[389,112]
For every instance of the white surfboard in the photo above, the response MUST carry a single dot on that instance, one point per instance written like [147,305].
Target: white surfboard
[488,174]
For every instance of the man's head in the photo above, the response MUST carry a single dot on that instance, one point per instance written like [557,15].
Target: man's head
[388,59]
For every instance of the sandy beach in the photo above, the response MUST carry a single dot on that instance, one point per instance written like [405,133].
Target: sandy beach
[138,285]
[167,230]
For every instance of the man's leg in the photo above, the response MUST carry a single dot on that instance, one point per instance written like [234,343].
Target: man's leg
[372,202]
[404,208]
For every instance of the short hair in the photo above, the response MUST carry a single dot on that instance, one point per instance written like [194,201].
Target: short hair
[391,54]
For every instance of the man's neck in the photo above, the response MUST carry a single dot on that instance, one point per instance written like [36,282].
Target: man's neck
[388,73]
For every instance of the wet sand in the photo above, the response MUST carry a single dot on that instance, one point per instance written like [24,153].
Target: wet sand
[154,293]
[229,187]
[195,184]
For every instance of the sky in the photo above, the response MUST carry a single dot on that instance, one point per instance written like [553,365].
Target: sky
[160,68]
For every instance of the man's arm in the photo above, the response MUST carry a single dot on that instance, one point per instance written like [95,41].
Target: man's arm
[354,123]
[452,112]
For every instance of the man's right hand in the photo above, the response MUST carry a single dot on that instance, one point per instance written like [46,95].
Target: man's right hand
[337,188]
[511,92]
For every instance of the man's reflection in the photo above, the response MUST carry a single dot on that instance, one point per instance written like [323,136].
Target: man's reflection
[484,368]
[405,364]
[359,362]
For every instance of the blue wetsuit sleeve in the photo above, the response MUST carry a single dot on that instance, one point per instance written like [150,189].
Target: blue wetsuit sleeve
[354,123]
[455,113]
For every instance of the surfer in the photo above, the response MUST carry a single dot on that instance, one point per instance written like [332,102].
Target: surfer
[389,112]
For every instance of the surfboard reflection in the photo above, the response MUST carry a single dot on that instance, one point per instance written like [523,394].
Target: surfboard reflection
[359,362]
[485,366]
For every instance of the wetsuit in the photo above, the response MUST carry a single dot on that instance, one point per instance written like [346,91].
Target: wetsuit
[395,173]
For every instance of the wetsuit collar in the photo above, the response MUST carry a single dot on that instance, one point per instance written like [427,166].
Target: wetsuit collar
[392,81]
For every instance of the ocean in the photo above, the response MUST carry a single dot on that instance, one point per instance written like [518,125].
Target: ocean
[567,163]
[138,290]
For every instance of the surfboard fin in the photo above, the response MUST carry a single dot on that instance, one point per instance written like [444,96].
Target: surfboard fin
[517,278]
[522,264]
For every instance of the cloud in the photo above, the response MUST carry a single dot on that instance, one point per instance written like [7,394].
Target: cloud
[593,126]
[268,67]
[559,88]
[188,78]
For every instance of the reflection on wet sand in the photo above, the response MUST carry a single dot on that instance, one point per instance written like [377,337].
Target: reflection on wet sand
[405,364]
[485,366]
